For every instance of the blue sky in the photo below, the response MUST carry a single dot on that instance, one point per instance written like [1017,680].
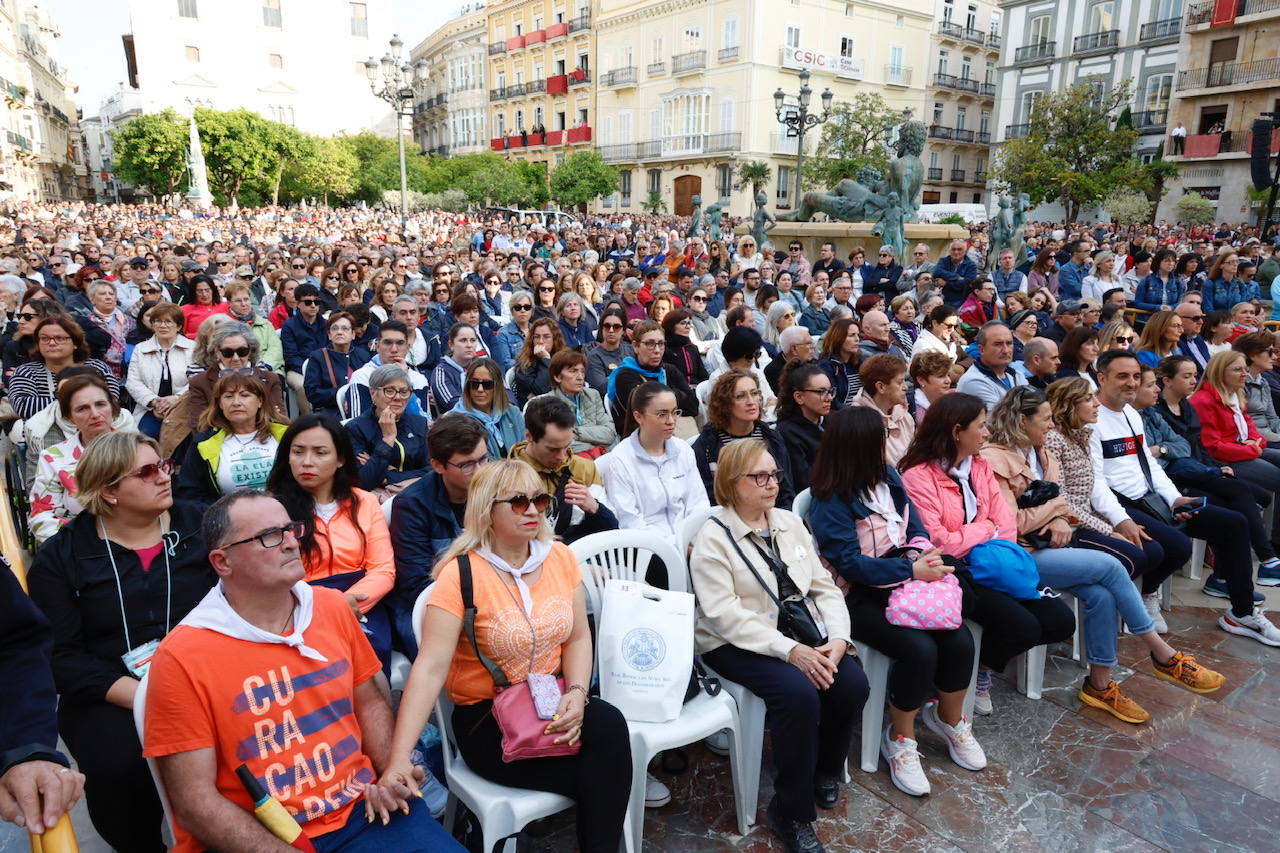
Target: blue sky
[91,29]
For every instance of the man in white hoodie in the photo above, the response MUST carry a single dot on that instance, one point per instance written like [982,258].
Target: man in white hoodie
[276,676]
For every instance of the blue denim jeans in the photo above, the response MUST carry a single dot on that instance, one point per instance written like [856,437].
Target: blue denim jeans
[1104,589]
[416,832]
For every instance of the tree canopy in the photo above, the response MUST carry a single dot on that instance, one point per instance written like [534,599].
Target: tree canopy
[581,177]
[151,152]
[852,139]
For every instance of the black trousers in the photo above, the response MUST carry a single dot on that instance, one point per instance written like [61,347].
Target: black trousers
[121,797]
[1226,532]
[811,729]
[1011,627]
[598,778]
[923,661]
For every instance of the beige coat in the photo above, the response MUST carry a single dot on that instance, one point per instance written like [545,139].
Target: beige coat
[734,610]
[1014,476]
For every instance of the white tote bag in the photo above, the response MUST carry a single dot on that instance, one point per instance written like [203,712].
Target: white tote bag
[646,650]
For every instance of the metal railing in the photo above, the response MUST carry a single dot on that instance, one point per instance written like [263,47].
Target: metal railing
[1199,13]
[582,22]
[1096,42]
[585,77]
[897,75]
[1230,74]
[987,90]
[1016,131]
[1151,119]
[691,61]
[975,35]
[993,40]
[950,29]
[1256,7]
[656,68]
[963,135]
[497,47]
[681,145]
[940,131]
[1038,52]
[727,54]
[1158,30]
[951,81]
[935,174]
[957,174]
[619,76]
[983,138]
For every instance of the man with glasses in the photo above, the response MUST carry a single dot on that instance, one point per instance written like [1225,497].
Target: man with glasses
[841,294]
[1067,314]
[392,348]
[796,263]
[200,254]
[428,515]
[302,334]
[270,673]
[129,287]
[956,273]
[1193,345]
[918,263]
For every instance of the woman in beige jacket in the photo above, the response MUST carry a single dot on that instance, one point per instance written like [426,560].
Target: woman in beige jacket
[744,560]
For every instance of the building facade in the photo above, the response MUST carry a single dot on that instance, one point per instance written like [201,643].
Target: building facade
[1050,45]
[115,111]
[1229,74]
[960,105]
[451,116]
[686,87]
[541,78]
[299,62]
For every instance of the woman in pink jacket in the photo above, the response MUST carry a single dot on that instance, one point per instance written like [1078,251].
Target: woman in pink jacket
[959,500]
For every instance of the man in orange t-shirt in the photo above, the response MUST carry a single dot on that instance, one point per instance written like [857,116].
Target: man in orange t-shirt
[272,674]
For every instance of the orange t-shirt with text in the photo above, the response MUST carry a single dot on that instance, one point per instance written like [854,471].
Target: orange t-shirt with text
[501,627]
[289,718]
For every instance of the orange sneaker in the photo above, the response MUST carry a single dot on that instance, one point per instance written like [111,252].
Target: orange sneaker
[1113,702]
[1183,670]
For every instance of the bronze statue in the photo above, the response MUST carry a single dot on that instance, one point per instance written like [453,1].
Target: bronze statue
[695,219]
[889,225]
[762,222]
[714,212]
[846,202]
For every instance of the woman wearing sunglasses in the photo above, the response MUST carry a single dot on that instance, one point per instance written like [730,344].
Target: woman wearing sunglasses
[232,347]
[529,585]
[345,544]
[510,339]
[236,445]
[113,582]
[484,399]
[390,442]
[17,348]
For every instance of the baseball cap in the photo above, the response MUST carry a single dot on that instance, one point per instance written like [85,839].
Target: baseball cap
[191,266]
[1068,306]
[244,269]
[138,262]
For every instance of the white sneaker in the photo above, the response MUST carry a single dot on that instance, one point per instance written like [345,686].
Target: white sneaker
[656,794]
[982,693]
[962,745]
[1152,603]
[1254,625]
[904,764]
[718,742]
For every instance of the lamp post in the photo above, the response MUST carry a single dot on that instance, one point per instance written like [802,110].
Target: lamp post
[398,83]
[794,113]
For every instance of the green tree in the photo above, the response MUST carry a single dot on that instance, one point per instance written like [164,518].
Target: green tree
[494,182]
[1128,207]
[581,177]
[1194,208]
[151,152]
[534,176]
[1153,180]
[239,145]
[1075,151]
[757,173]
[852,139]
[327,170]
[655,204]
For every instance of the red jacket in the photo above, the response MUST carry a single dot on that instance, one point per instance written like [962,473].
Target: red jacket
[1218,431]
[940,506]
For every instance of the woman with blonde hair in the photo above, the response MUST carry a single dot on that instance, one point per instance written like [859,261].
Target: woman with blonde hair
[1159,338]
[1116,335]
[527,601]
[1226,429]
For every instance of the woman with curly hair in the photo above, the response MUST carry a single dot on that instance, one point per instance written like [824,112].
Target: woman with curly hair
[532,368]
[735,409]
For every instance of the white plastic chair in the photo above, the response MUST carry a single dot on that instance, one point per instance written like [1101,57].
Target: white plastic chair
[139,722]
[501,810]
[800,506]
[625,554]
[1192,569]
[386,508]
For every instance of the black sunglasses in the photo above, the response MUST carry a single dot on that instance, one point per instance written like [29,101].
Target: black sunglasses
[148,291]
[480,384]
[234,352]
[308,301]
[520,503]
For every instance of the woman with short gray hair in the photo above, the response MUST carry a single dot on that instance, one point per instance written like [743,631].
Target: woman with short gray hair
[233,346]
[107,316]
[390,443]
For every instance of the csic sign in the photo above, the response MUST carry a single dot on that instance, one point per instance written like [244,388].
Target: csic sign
[841,66]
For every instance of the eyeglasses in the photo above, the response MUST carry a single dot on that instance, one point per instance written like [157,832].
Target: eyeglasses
[522,307]
[546,290]
[395,393]
[311,302]
[25,316]
[55,339]
[150,472]
[148,291]
[480,384]
[653,344]
[163,321]
[245,277]
[520,503]
[667,414]
[273,537]
[299,266]
[493,281]
[762,478]
[825,392]
[748,395]
[224,263]
[234,352]
[1124,339]
[331,278]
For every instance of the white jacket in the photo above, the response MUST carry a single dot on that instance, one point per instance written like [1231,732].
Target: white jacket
[653,494]
[47,427]
[147,364]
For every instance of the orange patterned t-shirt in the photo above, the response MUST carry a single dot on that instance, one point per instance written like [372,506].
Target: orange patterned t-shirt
[501,627]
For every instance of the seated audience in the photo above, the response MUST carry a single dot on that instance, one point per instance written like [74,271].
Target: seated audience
[532,365]
[594,433]
[1160,337]
[106,315]
[804,401]
[1077,354]
[884,390]
[239,298]
[390,443]
[645,365]
[930,374]
[446,379]
[734,410]
[329,368]
[58,344]
[157,376]
[841,356]
[392,348]
[990,376]
[484,399]
[236,445]
[206,300]
[796,344]
[233,348]
[681,354]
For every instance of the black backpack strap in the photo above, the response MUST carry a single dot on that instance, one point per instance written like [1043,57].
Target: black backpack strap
[469,621]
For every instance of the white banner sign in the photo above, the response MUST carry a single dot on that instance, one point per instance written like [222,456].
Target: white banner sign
[841,66]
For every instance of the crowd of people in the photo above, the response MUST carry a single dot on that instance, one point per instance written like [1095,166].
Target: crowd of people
[253,439]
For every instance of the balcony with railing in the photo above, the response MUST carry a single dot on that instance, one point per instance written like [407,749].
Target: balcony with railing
[1033,54]
[974,35]
[959,134]
[686,63]
[555,31]
[781,143]
[1160,31]
[1199,13]
[940,131]
[1258,7]
[656,68]
[950,30]
[987,90]
[578,77]
[619,77]
[1016,131]
[678,146]
[1230,74]
[993,40]
[934,173]
[1094,44]
[497,47]
[951,81]
[897,75]
[957,174]
[582,22]
[1151,120]
[1203,145]
[727,54]
[557,84]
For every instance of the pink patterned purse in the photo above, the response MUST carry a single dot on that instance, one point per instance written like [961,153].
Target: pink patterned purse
[926,605]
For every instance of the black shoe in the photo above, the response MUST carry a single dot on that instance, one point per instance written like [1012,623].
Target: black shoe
[797,836]
[826,792]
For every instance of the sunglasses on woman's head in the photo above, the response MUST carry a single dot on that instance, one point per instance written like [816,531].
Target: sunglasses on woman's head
[520,503]
[234,352]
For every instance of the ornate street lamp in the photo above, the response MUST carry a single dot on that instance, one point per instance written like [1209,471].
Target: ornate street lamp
[794,113]
[398,83]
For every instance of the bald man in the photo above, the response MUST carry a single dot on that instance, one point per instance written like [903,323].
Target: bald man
[955,273]
[1193,345]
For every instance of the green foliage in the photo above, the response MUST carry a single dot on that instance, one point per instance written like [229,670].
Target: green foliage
[1153,180]
[1075,152]
[1128,207]
[451,200]
[852,139]
[655,204]
[238,145]
[151,152]
[1194,208]
[581,177]
[757,173]
[953,219]
[327,170]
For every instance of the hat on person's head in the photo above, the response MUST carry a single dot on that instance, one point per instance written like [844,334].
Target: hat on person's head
[244,270]
[741,342]
[191,266]
[1252,241]
[631,283]
[886,249]
[1068,306]
[652,273]
[138,262]
[1019,317]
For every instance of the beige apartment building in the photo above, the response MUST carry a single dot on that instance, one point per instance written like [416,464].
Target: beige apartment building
[541,77]
[1229,74]
[451,115]
[686,87]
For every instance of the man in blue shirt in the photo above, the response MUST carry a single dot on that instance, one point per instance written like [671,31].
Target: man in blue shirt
[1071,274]
[955,273]
[302,334]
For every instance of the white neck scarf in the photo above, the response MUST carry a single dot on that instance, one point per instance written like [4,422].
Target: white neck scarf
[215,613]
[538,551]
[880,501]
[961,473]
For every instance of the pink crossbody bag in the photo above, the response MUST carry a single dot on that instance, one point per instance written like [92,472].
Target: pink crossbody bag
[925,605]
